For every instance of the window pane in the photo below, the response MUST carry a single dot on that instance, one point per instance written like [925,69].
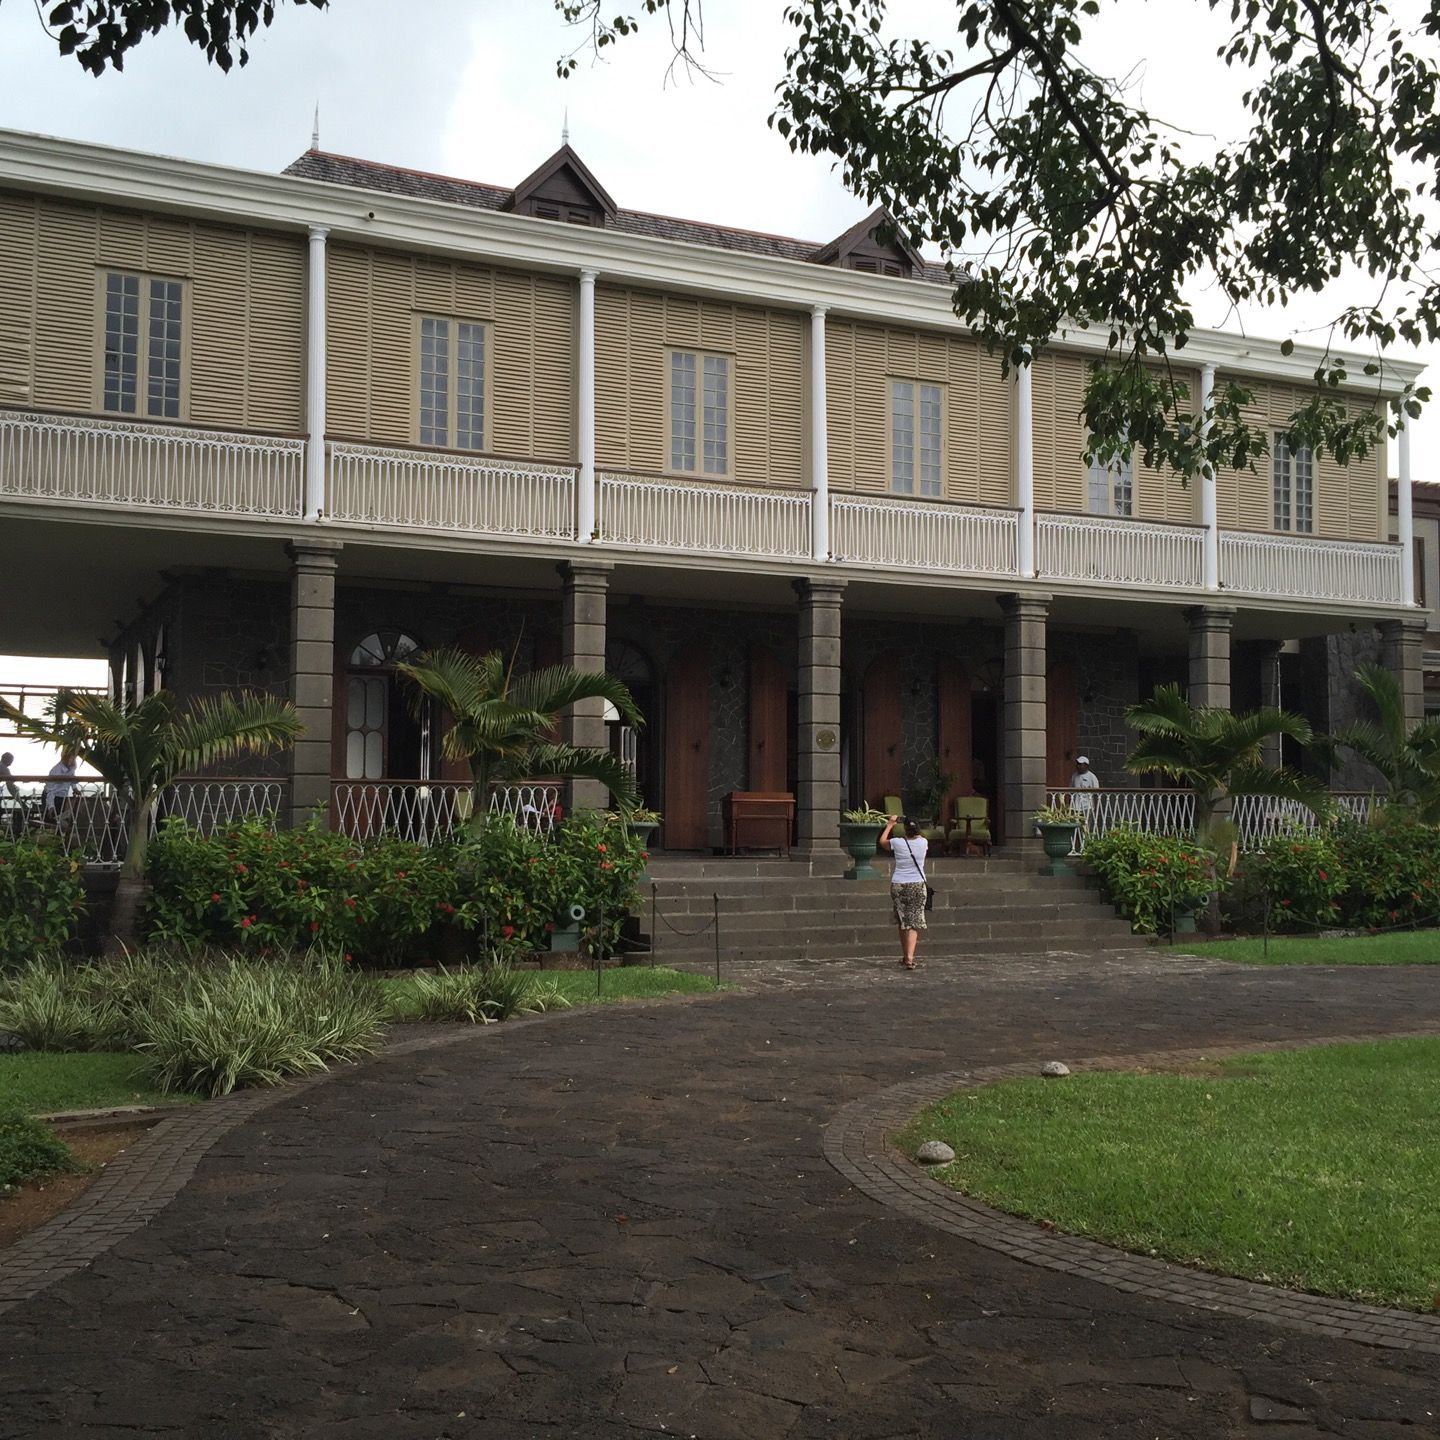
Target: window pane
[470,387]
[1097,489]
[434,382]
[682,410]
[717,415]
[930,412]
[1304,489]
[1282,482]
[1123,493]
[122,342]
[163,361]
[902,437]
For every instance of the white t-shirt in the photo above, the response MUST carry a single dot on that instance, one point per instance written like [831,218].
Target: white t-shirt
[909,860]
[1084,780]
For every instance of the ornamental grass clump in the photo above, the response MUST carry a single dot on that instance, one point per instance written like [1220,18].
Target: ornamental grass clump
[28,1151]
[476,994]
[50,1006]
[245,1022]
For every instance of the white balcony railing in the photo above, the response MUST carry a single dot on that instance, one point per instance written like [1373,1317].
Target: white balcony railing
[1119,552]
[418,489]
[133,465]
[681,515]
[90,823]
[1307,568]
[913,535]
[427,812]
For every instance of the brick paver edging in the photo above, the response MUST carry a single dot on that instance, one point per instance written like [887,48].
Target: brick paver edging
[139,1183]
[858,1144]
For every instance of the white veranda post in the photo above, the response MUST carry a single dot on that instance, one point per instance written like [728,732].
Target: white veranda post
[585,411]
[315,377]
[819,442]
[1209,510]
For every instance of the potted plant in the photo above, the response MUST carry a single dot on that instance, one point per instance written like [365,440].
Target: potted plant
[642,824]
[859,833]
[1057,825]
[930,799]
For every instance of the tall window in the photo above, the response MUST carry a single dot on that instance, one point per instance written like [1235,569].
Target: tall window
[1110,489]
[699,413]
[915,412]
[452,383]
[144,326]
[1294,486]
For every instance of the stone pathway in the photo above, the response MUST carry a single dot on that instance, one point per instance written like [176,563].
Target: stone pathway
[622,1222]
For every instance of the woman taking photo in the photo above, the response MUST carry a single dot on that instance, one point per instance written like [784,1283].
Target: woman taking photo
[907,883]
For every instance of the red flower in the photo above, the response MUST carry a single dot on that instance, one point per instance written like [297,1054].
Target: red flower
[606,865]
[348,957]
[601,848]
[644,854]
[350,901]
[1162,859]
[507,931]
[215,898]
[549,927]
[534,859]
[1394,914]
[1322,874]
[314,926]
[302,884]
[247,922]
[1285,903]
[239,869]
[399,874]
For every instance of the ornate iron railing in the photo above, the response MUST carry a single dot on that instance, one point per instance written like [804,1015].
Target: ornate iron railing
[424,490]
[143,466]
[426,812]
[1119,552]
[913,535]
[681,515]
[1306,568]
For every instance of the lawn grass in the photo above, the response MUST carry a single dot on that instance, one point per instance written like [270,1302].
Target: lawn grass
[40,1082]
[1401,947]
[626,982]
[1316,1169]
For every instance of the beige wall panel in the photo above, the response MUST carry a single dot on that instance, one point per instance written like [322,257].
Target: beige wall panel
[862,359]
[245,301]
[1058,390]
[633,331]
[376,298]
[19,253]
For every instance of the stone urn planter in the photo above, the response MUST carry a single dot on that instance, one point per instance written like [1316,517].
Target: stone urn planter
[859,840]
[644,832]
[1057,839]
[1184,922]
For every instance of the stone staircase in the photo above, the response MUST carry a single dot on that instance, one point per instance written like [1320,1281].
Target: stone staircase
[787,910]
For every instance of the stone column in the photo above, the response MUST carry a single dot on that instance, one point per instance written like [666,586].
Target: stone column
[582,639]
[1401,643]
[817,805]
[1267,659]
[1210,655]
[312,671]
[1025,738]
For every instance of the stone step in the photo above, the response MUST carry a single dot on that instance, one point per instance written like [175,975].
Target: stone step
[932,946]
[750,868]
[879,913]
[1019,893]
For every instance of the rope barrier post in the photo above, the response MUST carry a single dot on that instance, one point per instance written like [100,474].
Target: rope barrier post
[1265,925]
[599,951]
[715,921]
[654,927]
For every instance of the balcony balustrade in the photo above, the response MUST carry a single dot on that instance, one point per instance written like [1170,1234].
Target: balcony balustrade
[144,466]
[426,812]
[125,465]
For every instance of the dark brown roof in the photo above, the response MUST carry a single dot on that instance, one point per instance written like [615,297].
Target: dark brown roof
[396,180]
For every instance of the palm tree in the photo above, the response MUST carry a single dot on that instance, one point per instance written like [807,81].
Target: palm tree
[1216,754]
[502,724]
[1407,757]
[140,748]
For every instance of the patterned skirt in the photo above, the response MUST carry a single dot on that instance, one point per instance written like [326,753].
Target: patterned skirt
[909,903]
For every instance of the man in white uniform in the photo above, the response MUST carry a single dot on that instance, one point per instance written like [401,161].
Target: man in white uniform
[1082,780]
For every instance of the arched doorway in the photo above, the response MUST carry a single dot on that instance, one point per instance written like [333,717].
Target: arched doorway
[383,736]
[636,748]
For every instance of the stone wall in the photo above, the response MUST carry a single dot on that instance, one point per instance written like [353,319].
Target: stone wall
[1108,670]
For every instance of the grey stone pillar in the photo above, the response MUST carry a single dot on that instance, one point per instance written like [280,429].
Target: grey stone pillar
[1267,659]
[817,803]
[1025,737]
[312,671]
[1210,655]
[582,639]
[1401,643]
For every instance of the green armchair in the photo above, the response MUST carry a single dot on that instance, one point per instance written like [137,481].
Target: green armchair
[972,823]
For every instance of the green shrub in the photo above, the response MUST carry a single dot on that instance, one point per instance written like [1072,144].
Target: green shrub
[1300,877]
[377,899]
[247,1022]
[28,1150]
[1148,876]
[41,898]
[1391,870]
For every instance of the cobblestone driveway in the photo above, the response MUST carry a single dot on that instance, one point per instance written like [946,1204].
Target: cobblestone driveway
[620,1222]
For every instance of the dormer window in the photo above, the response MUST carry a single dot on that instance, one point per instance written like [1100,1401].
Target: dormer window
[563,189]
[876,246]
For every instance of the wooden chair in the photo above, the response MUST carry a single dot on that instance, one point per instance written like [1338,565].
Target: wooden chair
[972,824]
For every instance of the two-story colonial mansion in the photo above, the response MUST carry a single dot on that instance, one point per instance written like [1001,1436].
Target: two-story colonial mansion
[283,430]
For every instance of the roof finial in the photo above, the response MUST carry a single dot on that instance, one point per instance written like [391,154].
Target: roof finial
[315,133]
[565,128]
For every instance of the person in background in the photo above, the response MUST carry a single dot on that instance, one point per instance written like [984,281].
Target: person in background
[907,883]
[12,809]
[1083,780]
[8,787]
[59,787]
